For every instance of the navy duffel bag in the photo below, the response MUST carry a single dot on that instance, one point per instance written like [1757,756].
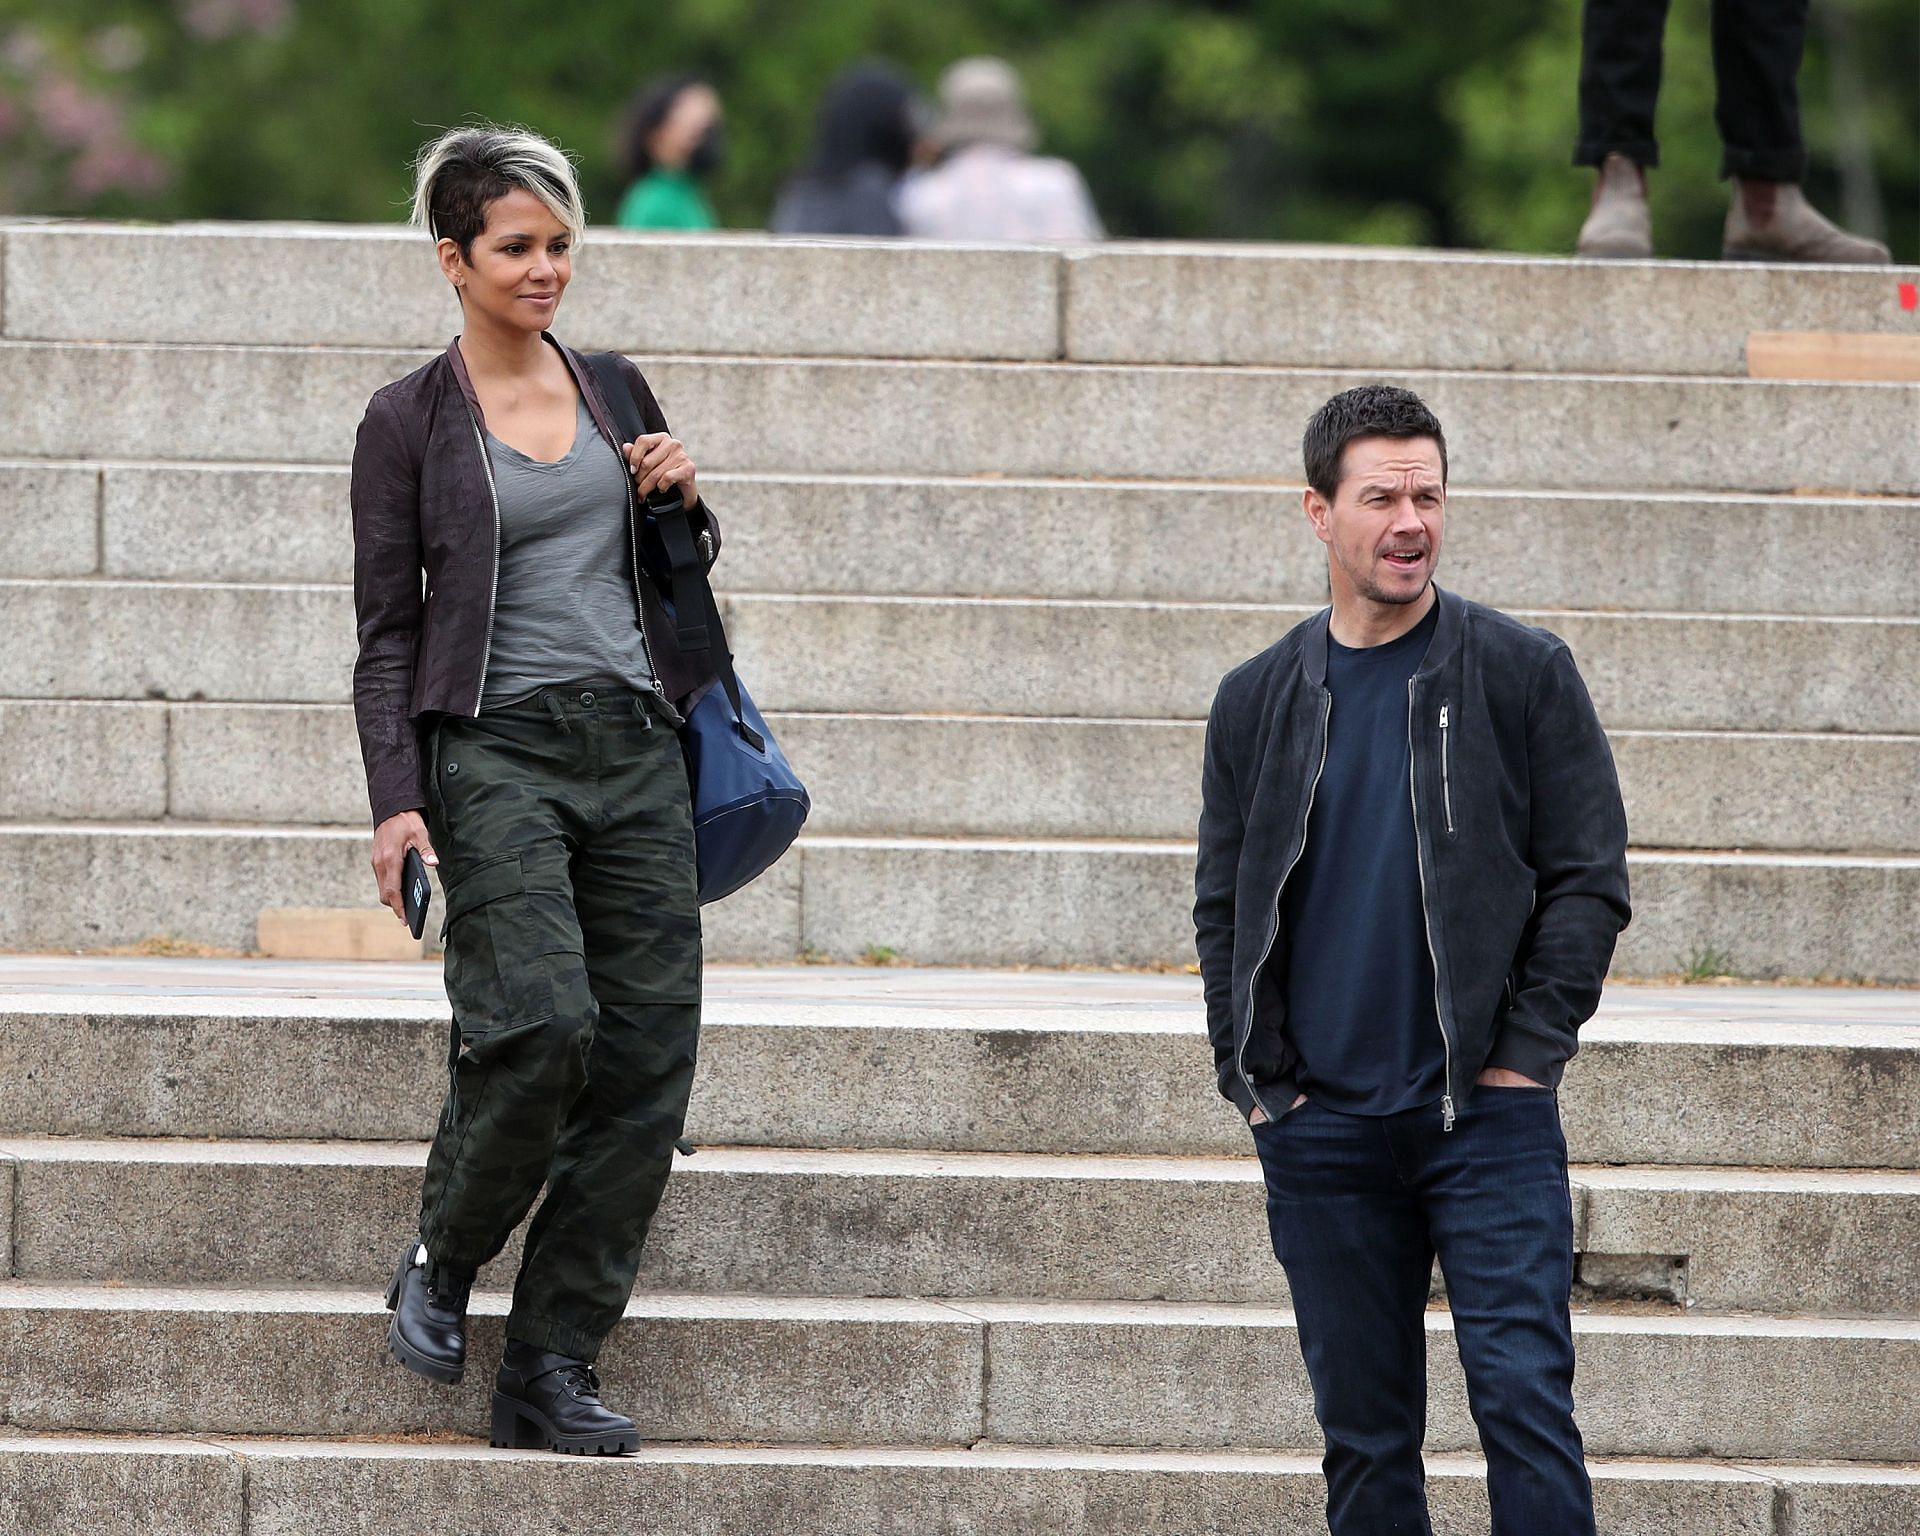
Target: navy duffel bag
[748,803]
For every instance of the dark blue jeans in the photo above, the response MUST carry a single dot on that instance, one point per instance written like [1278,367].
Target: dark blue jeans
[1358,1207]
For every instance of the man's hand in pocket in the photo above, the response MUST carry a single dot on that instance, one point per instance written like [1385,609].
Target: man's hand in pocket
[1259,1115]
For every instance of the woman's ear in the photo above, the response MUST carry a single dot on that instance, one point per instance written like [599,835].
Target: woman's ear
[452,263]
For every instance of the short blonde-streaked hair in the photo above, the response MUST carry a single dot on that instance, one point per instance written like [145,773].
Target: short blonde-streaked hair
[459,175]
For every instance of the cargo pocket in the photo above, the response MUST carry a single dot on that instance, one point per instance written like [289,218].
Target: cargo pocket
[497,970]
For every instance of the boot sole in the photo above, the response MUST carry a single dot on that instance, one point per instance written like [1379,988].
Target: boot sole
[403,1353]
[518,1426]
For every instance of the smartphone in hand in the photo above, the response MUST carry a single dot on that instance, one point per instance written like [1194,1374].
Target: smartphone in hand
[416,891]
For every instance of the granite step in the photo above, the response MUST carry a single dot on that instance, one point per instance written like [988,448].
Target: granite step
[1002,776]
[960,1224]
[148,1486]
[930,1061]
[127,1360]
[1010,418]
[929,536]
[944,901]
[1123,302]
[281,643]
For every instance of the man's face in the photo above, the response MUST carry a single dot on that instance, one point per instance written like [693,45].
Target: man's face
[1382,529]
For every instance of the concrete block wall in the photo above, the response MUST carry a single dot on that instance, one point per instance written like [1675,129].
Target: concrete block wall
[997,521]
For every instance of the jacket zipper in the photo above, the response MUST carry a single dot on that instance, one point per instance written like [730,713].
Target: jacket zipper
[1446,782]
[493,591]
[1426,918]
[1273,936]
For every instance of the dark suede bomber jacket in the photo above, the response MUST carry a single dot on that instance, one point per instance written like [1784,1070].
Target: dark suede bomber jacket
[1521,835]
[426,562]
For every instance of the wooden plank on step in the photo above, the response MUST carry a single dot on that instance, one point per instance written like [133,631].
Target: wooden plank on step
[1851,356]
[335,933]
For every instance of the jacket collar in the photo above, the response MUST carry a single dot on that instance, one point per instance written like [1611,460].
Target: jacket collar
[581,379]
[1446,637]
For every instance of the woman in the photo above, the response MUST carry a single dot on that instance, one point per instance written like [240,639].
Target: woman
[673,143]
[518,727]
[863,144]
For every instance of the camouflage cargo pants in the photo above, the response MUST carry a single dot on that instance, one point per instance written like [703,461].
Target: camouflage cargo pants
[573,966]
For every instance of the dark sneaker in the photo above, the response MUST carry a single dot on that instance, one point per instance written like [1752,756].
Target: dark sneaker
[428,1334]
[544,1401]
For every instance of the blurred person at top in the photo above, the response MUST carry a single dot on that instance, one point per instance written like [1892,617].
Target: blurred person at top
[674,141]
[863,143]
[988,185]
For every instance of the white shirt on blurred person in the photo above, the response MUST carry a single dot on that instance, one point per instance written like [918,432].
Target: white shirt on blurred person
[988,185]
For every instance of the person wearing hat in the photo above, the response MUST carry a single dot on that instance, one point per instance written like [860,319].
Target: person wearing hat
[988,184]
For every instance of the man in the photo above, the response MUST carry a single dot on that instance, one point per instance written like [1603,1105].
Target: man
[1412,872]
[1757,46]
[988,186]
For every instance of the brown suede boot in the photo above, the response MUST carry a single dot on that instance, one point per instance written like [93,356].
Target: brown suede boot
[1773,221]
[1619,223]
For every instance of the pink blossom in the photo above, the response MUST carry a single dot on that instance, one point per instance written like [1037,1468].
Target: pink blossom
[213,20]
[118,49]
[116,167]
[71,114]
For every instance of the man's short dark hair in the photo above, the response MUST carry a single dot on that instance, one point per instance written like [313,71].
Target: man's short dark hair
[1371,410]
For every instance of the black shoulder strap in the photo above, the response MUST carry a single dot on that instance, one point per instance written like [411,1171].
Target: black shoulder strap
[696,616]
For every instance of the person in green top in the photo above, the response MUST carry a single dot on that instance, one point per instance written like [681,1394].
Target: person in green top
[673,143]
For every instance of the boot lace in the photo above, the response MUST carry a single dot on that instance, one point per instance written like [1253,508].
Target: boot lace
[583,1382]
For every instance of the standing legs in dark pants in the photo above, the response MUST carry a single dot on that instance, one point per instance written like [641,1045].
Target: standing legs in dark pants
[1358,1207]
[1757,47]
[573,967]
[1620,56]
[1757,50]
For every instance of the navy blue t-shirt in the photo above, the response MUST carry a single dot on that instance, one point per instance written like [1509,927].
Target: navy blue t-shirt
[1360,1007]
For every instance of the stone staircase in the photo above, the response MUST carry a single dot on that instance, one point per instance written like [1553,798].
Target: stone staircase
[991,1260]
[977,1253]
[997,522]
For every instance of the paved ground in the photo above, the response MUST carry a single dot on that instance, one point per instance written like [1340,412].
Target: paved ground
[390,982]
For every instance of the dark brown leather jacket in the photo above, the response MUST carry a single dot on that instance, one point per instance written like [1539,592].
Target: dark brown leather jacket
[423,506]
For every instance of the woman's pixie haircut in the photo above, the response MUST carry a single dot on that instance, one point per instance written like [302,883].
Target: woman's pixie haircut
[460,174]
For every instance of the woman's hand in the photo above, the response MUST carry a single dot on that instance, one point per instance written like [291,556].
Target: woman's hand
[391,840]
[658,459]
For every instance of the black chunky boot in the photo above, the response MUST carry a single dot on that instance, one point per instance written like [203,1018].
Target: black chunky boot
[544,1401]
[428,1334]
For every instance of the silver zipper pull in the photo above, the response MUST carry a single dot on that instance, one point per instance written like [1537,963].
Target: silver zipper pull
[1443,717]
[1446,1113]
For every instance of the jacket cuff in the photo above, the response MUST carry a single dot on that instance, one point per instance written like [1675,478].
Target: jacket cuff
[1234,1088]
[383,810]
[1520,1050]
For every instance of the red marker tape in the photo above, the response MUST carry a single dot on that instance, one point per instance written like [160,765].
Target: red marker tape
[1910,295]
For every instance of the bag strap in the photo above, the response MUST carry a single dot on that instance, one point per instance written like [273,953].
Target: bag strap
[696,615]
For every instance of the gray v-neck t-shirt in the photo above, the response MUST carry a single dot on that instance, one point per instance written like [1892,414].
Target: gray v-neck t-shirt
[565,610]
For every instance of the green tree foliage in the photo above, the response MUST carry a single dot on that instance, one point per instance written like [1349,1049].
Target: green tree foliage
[1316,120]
